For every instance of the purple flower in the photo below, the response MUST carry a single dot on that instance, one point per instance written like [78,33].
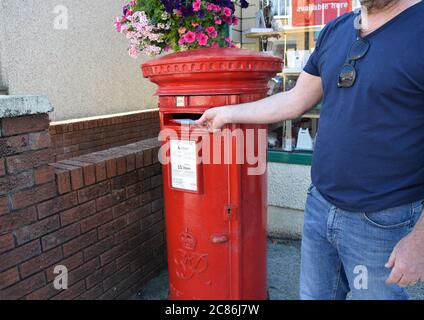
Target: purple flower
[244,4]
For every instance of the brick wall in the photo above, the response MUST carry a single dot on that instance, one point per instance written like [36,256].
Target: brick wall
[100,215]
[73,138]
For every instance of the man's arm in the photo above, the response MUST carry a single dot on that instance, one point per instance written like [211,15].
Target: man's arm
[283,106]
[407,259]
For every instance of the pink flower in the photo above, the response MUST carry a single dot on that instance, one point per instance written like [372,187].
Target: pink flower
[215,45]
[213,35]
[133,52]
[190,37]
[118,25]
[228,40]
[210,30]
[227,12]
[196,5]
[202,38]
[235,21]
[212,7]
[181,41]
[218,20]
[230,20]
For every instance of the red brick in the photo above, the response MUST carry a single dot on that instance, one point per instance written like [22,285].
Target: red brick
[13,145]
[147,157]
[156,181]
[20,254]
[44,174]
[130,162]
[89,171]
[70,263]
[98,219]
[63,181]
[147,234]
[4,206]
[134,190]
[139,160]
[138,214]
[77,213]
[24,124]
[44,293]
[112,227]
[123,181]
[112,254]
[9,277]
[13,183]
[37,229]
[61,236]
[79,243]
[93,293]
[111,168]
[6,243]
[110,200]
[39,140]
[55,205]
[37,194]
[28,160]
[2,168]
[13,221]
[101,173]
[72,292]
[41,262]
[116,278]
[152,219]
[83,271]
[98,248]
[76,174]
[127,258]
[92,192]
[126,206]
[23,287]
[100,275]
[77,179]
[121,165]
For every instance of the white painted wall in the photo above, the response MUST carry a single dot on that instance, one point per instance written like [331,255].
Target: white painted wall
[84,70]
[288,185]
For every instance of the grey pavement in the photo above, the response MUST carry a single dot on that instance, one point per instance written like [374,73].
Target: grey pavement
[283,276]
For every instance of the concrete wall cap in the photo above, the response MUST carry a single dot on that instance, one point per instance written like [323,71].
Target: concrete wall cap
[16,106]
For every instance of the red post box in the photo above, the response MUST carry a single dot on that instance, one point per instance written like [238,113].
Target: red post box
[216,211]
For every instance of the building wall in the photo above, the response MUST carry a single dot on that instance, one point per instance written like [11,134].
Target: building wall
[85,70]
[288,185]
[99,215]
[73,138]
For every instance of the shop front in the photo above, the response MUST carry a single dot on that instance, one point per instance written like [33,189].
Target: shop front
[290,29]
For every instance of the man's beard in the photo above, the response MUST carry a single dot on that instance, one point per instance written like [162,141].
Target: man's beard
[377,5]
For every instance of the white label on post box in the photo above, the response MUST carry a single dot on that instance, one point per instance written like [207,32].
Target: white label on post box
[180,101]
[183,164]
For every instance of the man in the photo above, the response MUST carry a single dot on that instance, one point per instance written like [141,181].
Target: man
[363,232]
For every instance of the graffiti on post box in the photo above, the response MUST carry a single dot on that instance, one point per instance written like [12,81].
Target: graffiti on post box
[188,262]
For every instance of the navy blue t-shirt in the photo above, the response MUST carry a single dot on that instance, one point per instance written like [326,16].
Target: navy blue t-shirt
[369,153]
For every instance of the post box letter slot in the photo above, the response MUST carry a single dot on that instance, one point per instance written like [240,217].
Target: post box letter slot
[181,118]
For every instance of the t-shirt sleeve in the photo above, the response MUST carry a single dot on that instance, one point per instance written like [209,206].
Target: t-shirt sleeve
[312,66]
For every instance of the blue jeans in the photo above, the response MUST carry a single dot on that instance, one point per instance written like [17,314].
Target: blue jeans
[346,251]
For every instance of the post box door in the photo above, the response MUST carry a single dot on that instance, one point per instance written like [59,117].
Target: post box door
[201,233]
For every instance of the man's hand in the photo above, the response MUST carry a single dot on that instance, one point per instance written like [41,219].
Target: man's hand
[214,119]
[407,260]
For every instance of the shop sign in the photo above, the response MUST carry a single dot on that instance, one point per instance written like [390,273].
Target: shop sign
[318,12]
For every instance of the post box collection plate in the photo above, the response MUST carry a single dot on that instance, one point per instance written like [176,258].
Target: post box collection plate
[183,158]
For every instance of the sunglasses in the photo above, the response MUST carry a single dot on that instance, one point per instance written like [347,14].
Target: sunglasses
[358,50]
